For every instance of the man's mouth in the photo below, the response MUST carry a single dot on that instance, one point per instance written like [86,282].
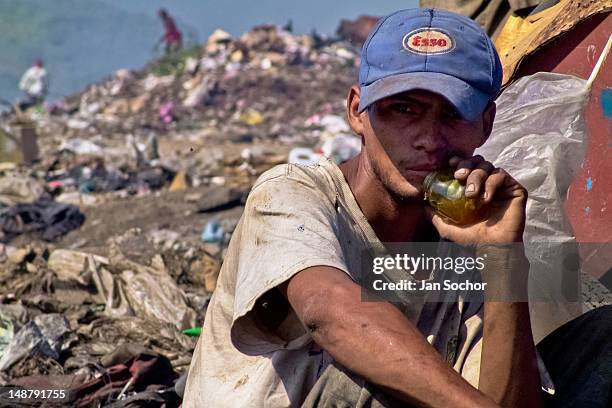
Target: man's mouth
[424,167]
[417,174]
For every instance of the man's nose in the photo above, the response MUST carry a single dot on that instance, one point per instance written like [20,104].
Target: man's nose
[429,137]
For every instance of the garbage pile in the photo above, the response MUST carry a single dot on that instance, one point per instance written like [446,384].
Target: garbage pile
[111,242]
[65,314]
[265,93]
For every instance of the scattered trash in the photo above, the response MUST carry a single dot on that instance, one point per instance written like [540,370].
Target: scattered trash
[80,146]
[252,118]
[17,256]
[131,375]
[79,124]
[334,124]
[6,333]
[49,218]
[213,232]
[193,332]
[15,188]
[166,113]
[140,290]
[45,335]
[9,147]
[179,386]
[179,182]
[210,267]
[72,265]
[304,156]
[341,148]
[216,41]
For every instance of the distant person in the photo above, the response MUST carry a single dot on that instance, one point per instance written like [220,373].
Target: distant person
[35,84]
[172,36]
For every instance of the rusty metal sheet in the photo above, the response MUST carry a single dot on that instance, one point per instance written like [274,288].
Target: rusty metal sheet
[544,27]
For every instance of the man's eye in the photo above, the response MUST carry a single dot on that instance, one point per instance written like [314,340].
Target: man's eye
[402,108]
[452,114]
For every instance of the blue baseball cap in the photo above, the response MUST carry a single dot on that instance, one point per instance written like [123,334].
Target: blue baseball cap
[432,50]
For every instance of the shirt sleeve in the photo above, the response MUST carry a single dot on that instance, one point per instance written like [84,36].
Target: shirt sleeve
[288,225]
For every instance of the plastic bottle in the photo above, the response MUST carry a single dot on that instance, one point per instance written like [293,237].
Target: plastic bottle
[446,195]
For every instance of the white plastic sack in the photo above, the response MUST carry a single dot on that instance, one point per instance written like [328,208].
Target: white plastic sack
[539,138]
[80,146]
[304,156]
[341,147]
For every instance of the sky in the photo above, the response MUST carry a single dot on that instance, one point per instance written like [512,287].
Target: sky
[238,16]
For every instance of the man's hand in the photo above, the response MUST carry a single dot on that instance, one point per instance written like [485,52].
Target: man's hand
[504,198]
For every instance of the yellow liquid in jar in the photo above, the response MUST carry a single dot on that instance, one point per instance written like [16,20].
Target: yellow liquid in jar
[446,195]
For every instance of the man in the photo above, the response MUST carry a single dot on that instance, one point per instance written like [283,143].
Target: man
[34,83]
[172,36]
[287,325]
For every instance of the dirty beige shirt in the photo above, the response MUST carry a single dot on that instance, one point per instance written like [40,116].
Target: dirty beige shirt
[298,217]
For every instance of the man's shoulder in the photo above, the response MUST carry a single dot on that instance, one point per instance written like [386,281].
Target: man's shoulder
[317,178]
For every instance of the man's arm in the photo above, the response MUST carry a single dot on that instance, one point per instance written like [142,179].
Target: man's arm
[508,368]
[376,341]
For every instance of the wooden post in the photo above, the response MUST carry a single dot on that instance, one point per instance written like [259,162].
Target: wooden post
[29,143]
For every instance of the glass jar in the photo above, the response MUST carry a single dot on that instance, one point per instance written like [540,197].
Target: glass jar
[446,195]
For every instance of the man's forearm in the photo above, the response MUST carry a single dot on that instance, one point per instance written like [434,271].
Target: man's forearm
[508,368]
[377,342]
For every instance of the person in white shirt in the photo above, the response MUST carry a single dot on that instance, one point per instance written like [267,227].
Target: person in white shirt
[35,84]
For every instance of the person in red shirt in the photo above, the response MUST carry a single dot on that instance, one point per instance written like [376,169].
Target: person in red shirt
[172,36]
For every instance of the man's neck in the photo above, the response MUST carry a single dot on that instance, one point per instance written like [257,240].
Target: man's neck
[392,220]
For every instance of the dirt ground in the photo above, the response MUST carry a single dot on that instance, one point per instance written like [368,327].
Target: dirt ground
[168,210]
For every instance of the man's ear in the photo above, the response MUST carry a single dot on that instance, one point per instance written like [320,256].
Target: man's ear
[488,117]
[355,119]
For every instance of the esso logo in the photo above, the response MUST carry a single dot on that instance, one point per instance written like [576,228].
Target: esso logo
[428,41]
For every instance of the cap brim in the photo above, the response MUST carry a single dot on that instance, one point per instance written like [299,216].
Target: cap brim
[468,101]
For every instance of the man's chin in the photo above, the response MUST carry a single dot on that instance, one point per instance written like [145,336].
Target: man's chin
[406,186]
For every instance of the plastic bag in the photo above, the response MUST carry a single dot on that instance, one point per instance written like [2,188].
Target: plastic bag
[6,332]
[46,335]
[341,148]
[539,138]
[304,156]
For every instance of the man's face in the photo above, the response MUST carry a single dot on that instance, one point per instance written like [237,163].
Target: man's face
[411,134]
